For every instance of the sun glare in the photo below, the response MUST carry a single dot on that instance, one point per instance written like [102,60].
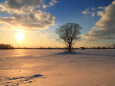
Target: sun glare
[20,36]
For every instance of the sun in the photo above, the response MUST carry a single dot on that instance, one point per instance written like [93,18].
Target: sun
[20,36]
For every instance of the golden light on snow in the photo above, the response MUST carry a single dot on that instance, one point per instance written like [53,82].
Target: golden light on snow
[20,36]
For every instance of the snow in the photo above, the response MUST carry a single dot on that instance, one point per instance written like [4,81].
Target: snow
[43,67]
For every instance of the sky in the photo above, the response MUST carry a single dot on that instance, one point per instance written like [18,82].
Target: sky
[37,20]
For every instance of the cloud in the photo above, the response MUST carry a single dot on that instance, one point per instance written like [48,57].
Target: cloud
[1,10]
[101,7]
[89,12]
[92,11]
[26,14]
[86,11]
[52,2]
[17,4]
[93,14]
[105,27]
[44,6]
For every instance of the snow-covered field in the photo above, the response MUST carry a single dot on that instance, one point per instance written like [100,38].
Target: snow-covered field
[34,67]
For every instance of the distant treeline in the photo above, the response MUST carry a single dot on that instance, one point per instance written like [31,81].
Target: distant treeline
[6,46]
[101,48]
[81,48]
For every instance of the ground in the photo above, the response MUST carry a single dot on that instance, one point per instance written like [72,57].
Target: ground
[35,67]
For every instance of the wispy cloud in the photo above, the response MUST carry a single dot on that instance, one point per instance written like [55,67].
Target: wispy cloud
[89,12]
[86,11]
[50,4]
[93,14]
[92,11]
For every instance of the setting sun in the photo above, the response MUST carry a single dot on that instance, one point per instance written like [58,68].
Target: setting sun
[20,36]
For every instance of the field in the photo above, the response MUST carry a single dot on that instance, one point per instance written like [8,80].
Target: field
[43,67]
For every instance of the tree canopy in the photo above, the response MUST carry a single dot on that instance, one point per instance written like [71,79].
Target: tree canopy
[69,34]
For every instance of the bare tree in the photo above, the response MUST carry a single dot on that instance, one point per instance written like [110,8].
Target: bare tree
[69,34]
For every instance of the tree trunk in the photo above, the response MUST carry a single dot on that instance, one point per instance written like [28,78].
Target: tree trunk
[69,47]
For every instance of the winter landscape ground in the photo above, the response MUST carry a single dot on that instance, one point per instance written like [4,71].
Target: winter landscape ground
[34,67]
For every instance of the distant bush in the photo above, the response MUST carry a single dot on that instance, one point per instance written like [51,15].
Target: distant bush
[6,46]
[82,48]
